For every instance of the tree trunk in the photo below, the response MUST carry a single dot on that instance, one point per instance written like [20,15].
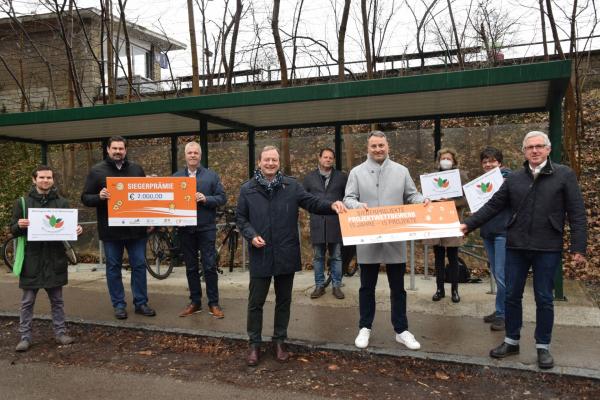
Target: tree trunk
[236,28]
[346,130]
[366,39]
[285,133]
[192,30]
[543,21]
[110,52]
[456,38]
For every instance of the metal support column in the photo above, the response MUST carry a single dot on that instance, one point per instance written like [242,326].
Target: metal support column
[251,152]
[104,146]
[204,141]
[437,136]
[556,132]
[338,147]
[173,154]
[44,151]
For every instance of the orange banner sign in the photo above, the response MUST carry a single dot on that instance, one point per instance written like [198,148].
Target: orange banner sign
[151,201]
[399,223]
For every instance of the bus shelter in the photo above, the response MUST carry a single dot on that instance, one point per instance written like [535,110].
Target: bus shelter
[517,89]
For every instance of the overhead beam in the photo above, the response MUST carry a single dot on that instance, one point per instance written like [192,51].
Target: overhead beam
[215,120]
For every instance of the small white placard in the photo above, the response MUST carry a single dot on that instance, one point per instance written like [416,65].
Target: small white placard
[441,185]
[481,189]
[52,224]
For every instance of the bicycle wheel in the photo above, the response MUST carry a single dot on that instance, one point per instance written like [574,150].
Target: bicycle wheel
[158,255]
[8,252]
[70,252]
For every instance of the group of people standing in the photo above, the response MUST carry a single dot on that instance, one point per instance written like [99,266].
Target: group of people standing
[522,227]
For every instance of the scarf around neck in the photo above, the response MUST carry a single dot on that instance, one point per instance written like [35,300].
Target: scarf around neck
[269,186]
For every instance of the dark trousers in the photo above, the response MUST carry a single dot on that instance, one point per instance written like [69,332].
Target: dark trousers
[544,265]
[193,242]
[259,288]
[440,253]
[366,295]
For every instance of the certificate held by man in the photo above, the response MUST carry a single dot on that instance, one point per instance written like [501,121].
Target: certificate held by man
[151,201]
[399,223]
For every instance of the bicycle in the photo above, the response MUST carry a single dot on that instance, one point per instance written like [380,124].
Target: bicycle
[163,253]
[9,252]
[230,240]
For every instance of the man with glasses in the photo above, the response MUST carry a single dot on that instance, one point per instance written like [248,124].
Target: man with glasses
[538,197]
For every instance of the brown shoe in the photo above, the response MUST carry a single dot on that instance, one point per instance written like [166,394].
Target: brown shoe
[190,309]
[253,356]
[318,292]
[337,292]
[281,353]
[216,312]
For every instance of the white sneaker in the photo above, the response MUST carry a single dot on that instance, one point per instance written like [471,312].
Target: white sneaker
[362,340]
[407,339]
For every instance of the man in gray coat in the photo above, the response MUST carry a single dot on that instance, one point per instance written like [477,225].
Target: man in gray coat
[377,182]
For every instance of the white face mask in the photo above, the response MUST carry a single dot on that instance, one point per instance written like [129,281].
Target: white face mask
[446,164]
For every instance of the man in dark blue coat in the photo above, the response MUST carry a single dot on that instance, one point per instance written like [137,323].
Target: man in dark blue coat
[538,196]
[209,195]
[326,183]
[267,215]
[118,238]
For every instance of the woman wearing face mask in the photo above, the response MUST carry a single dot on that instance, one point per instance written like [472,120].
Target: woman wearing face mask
[448,247]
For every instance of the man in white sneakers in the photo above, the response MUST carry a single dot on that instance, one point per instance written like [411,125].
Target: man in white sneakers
[380,181]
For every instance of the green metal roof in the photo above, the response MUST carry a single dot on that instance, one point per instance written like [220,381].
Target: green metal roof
[513,89]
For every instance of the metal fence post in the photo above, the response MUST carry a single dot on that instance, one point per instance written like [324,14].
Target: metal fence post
[426,261]
[412,265]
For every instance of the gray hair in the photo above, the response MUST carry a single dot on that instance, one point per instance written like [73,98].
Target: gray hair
[193,144]
[378,134]
[537,134]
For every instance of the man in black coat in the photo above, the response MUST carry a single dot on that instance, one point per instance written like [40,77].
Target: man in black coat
[267,215]
[116,239]
[45,264]
[538,197]
[326,183]
[201,238]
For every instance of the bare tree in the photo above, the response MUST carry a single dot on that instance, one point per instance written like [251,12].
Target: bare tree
[543,21]
[228,65]
[493,27]
[297,14]
[285,133]
[456,38]
[192,31]
[367,42]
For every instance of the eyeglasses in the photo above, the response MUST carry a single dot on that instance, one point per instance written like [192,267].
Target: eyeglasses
[535,146]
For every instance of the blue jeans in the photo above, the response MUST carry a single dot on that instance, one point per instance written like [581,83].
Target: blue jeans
[496,251]
[204,242]
[136,250]
[335,260]
[544,264]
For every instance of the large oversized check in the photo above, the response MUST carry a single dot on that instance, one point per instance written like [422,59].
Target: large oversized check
[398,223]
[151,201]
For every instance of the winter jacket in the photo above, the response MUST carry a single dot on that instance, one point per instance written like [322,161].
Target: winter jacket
[95,181]
[538,207]
[209,184]
[497,225]
[274,217]
[325,228]
[45,264]
[386,184]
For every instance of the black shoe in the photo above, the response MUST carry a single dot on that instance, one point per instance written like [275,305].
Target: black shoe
[504,350]
[120,313]
[439,294]
[488,319]
[455,296]
[145,310]
[545,360]
[498,324]
[318,292]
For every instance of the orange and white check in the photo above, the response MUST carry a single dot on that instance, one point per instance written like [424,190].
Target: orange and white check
[399,223]
[151,201]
